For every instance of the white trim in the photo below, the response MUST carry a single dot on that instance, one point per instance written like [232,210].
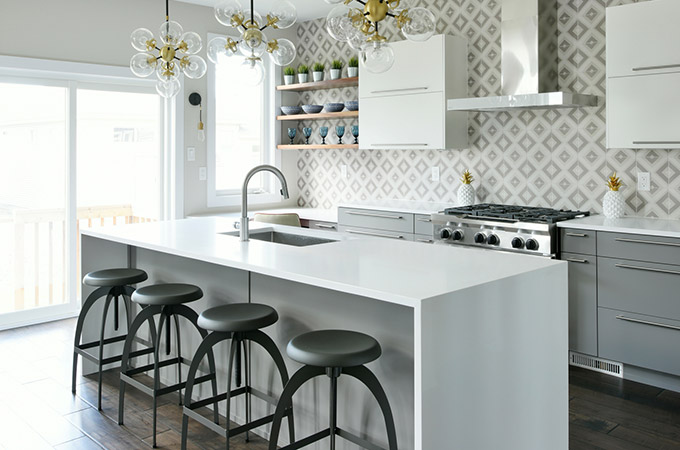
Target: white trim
[37,315]
[71,228]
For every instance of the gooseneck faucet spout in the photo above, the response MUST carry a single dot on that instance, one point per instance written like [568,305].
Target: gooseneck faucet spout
[244,233]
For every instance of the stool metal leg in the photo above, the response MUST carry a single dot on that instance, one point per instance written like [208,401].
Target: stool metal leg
[232,355]
[363,374]
[333,409]
[87,305]
[247,395]
[178,342]
[164,320]
[100,364]
[300,377]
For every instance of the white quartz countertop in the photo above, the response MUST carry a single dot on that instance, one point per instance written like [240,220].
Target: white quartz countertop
[403,206]
[393,271]
[634,225]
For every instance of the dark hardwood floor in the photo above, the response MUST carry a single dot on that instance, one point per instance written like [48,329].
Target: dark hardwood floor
[38,411]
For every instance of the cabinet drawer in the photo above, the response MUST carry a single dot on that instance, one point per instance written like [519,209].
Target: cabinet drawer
[370,232]
[642,38]
[640,287]
[643,111]
[326,226]
[423,225]
[639,340]
[378,220]
[661,250]
[582,303]
[578,241]
[423,238]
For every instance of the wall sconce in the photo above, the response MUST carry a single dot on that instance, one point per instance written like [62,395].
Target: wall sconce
[195,100]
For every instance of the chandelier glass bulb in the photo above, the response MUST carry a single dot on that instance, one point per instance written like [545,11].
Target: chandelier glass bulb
[253,43]
[338,22]
[421,27]
[172,54]
[377,57]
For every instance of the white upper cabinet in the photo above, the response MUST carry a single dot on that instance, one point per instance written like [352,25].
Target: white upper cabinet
[406,106]
[643,38]
[643,75]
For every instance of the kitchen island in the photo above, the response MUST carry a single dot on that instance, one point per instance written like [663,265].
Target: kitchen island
[474,342]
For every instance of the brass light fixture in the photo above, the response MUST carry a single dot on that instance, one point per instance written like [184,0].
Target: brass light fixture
[360,27]
[253,43]
[176,52]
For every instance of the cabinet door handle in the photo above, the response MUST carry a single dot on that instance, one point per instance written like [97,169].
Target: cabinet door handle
[426,241]
[643,241]
[648,269]
[575,234]
[665,66]
[656,142]
[424,88]
[415,144]
[366,233]
[421,219]
[325,227]
[580,261]
[380,216]
[646,322]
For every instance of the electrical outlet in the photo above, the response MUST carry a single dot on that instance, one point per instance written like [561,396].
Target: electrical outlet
[191,154]
[202,174]
[644,181]
[435,174]
[343,170]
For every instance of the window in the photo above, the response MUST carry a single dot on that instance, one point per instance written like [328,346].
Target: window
[240,130]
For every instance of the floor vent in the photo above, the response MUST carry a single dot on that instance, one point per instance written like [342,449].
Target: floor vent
[596,364]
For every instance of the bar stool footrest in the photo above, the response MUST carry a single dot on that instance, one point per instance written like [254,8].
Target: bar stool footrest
[207,422]
[357,440]
[308,440]
[107,341]
[148,367]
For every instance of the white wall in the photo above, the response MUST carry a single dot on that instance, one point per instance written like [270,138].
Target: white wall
[98,32]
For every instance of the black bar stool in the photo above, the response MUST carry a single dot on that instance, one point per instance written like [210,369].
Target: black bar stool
[168,301]
[113,284]
[333,352]
[240,322]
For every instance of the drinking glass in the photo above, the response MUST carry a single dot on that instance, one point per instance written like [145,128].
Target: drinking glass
[355,133]
[323,131]
[308,133]
[291,134]
[340,132]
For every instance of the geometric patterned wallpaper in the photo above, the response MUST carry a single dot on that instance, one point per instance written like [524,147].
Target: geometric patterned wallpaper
[553,158]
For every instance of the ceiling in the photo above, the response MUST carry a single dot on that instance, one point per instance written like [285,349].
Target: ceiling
[306,9]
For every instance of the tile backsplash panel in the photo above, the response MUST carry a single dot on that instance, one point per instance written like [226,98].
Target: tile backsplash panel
[553,158]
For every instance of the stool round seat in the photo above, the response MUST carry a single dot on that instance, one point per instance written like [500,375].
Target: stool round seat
[167,294]
[237,317]
[334,348]
[114,277]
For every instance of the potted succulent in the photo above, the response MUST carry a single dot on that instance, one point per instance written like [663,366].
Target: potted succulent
[613,204]
[288,75]
[353,67]
[318,71]
[303,73]
[466,192]
[336,69]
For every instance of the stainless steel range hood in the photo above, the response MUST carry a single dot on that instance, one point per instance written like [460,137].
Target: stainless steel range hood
[529,69]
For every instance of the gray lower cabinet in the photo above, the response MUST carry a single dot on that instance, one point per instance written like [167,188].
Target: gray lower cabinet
[423,225]
[370,232]
[424,238]
[582,302]
[319,225]
[386,224]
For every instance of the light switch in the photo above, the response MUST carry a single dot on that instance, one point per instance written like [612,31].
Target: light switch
[202,174]
[343,170]
[435,173]
[191,154]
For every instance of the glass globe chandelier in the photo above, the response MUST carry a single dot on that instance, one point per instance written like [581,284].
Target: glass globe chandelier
[176,55]
[360,28]
[253,43]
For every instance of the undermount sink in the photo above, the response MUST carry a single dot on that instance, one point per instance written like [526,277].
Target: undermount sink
[277,237]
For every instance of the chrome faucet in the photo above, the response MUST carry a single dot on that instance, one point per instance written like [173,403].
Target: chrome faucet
[244,233]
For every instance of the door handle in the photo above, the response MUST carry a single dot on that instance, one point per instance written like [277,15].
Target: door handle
[647,322]
[366,233]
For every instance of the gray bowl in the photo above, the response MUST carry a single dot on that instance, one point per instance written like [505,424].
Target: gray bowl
[312,109]
[334,107]
[291,110]
[352,106]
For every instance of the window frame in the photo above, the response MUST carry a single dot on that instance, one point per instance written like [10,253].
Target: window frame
[270,129]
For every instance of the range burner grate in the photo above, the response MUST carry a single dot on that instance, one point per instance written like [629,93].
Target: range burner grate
[517,213]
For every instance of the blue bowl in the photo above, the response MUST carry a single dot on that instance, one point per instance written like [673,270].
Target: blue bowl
[334,107]
[291,110]
[312,109]
[352,106]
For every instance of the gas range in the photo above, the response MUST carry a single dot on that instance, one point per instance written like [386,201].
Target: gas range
[520,229]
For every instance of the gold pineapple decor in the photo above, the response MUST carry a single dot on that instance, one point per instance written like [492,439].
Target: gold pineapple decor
[613,204]
[614,183]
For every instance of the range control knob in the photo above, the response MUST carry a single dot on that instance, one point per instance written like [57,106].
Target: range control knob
[480,238]
[445,233]
[493,239]
[458,235]
[532,244]
[518,243]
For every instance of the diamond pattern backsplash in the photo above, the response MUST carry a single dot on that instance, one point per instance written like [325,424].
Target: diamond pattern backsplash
[553,158]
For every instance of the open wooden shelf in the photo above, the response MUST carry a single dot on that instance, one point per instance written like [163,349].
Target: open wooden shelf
[319,116]
[316,85]
[317,146]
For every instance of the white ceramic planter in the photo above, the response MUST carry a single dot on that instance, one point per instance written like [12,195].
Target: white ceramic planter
[303,77]
[336,74]
[353,72]
[288,79]
[318,76]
